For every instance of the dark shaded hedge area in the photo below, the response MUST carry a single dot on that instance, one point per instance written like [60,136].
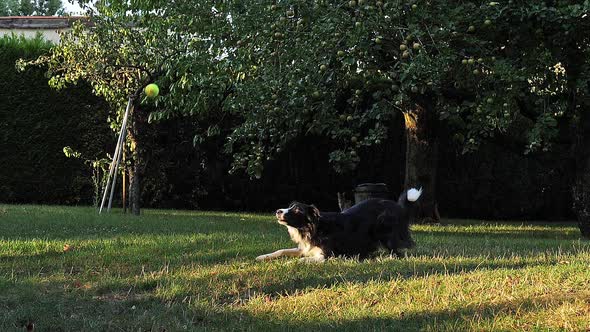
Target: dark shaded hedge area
[494,183]
[36,122]
[179,176]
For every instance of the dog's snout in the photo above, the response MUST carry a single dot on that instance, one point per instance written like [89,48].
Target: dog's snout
[279,212]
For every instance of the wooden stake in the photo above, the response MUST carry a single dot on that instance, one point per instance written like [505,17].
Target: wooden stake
[116,160]
[124,181]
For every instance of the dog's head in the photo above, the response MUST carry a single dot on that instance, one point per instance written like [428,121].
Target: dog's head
[298,215]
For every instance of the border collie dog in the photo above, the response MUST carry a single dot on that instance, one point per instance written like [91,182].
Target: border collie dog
[355,232]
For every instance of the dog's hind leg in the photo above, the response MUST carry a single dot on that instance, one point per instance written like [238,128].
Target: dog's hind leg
[295,252]
[315,255]
[392,246]
[313,259]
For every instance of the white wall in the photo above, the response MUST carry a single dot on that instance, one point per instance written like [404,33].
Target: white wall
[48,34]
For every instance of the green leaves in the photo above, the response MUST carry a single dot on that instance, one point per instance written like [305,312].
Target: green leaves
[70,153]
[305,68]
[131,44]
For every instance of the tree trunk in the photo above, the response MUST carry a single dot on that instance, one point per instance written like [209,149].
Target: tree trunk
[422,158]
[138,160]
[134,190]
[581,186]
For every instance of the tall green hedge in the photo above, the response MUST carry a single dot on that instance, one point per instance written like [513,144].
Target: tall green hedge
[36,122]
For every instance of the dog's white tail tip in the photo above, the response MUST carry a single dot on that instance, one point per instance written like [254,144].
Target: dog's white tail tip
[414,194]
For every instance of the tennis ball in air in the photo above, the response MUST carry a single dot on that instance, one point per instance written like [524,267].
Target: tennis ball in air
[152,90]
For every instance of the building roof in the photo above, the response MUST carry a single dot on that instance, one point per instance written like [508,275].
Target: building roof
[39,22]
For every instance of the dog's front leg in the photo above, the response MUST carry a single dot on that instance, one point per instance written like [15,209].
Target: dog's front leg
[295,252]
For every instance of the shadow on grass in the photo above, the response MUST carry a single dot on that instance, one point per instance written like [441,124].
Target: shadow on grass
[235,276]
[284,280]
[468,318]
[446,252]
[499,233]
[75,309]
[237,285]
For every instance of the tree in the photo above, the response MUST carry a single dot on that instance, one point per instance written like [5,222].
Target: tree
[26,7]
[8,7]
[558,35]
[49,7]
[127,45]
[30,7]
[343,68]
[567,38]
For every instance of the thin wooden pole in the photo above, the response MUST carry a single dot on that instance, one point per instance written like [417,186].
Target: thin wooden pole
[123,131]
[116,155]
[111,168]
[124,182]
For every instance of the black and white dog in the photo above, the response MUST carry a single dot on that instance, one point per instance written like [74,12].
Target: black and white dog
[356,232]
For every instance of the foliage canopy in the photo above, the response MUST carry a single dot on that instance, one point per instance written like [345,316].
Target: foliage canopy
[343,68]
[30,7]
[340,69]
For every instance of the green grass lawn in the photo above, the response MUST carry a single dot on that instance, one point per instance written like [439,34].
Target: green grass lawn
[181,270]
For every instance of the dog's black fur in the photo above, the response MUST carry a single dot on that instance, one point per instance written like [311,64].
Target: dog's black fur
[355,232]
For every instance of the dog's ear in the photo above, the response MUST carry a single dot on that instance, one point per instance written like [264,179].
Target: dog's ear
[314,211]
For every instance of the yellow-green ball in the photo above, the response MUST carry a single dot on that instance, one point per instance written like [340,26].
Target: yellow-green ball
[152,90]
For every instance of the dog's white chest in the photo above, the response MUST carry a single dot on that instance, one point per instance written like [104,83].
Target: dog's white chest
[307,249]
[295,235]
